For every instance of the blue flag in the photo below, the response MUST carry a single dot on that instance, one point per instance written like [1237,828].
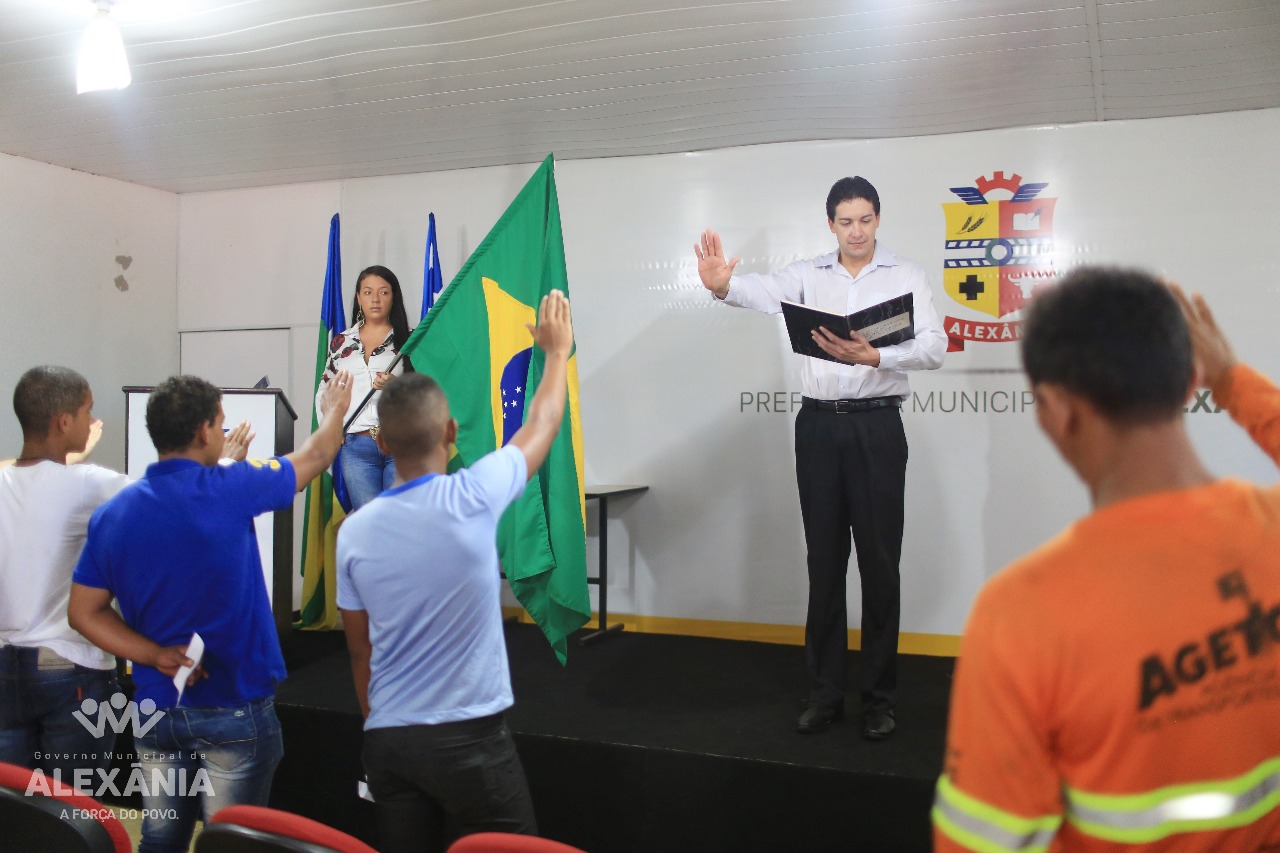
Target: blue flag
[432,280]
[333,320]
[327,502]
[332,316]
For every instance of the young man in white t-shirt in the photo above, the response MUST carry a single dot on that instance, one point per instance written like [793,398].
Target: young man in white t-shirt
[49,672]
[419,589]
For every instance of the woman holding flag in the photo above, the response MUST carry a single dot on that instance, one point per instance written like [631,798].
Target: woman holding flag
[380,326]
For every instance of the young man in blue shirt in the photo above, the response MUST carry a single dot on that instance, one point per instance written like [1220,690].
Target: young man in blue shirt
[177,549]
[419,590]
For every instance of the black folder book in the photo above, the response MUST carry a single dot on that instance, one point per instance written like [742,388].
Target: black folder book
[891,322]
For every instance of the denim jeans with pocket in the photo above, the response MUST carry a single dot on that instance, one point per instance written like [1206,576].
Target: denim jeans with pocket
[366,470]
[41,694]
[196,761]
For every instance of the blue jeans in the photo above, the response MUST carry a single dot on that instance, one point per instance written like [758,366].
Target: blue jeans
[196,761]
[367,471]
[40,694]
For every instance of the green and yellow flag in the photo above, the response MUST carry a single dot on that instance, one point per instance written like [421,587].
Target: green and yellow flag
[475,344]
[323,511]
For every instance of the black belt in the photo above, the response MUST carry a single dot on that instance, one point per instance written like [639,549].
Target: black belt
[866,404]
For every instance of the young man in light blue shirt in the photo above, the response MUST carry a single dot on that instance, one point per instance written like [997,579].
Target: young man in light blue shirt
[419,590]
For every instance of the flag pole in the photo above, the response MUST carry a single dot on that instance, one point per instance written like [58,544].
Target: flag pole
[367,397]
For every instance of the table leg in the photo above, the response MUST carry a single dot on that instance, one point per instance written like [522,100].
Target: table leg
[604,627]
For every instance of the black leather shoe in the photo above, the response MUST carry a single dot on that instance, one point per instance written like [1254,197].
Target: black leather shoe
[878,725]
[818,718]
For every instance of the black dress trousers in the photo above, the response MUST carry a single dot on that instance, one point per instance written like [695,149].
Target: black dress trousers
[851,469]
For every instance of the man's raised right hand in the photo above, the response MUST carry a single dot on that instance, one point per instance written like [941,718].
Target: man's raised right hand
[1212,350]
[713,269]
[554,332]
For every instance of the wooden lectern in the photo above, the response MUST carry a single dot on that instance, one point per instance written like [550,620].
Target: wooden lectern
[268,410]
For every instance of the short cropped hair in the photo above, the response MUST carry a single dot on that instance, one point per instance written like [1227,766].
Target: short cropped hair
[848,189]
[1116,337]
[177,409]
[45,392]
[412,413]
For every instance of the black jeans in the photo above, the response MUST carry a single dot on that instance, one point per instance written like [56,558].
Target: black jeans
[851,469]
[433,783]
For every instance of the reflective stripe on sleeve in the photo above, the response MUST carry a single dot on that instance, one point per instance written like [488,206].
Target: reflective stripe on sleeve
[987,829]
[1195,807]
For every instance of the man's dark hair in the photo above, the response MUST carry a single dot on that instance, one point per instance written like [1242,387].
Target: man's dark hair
[412,412]
[177,409]
[847,189]
[45,392]
[1116,337]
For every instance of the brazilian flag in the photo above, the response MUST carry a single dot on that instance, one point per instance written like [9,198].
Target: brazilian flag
[323,511]
[475,344]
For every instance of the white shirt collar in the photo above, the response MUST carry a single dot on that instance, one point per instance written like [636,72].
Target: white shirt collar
[881,258]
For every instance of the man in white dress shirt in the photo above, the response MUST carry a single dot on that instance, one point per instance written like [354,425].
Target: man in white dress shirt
[851,451]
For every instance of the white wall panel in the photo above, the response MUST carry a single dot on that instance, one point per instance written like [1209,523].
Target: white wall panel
[89,266]
[252,258]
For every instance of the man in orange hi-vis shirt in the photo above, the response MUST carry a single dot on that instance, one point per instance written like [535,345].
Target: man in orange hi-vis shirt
[1119,688]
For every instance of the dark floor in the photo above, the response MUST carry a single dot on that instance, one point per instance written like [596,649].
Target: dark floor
[643,738]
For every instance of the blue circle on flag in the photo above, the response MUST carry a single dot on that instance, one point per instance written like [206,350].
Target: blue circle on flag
[515,376]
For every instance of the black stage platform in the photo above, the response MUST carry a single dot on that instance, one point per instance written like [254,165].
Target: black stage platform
[647,742]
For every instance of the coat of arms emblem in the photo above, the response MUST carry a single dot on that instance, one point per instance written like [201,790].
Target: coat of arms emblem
[999,252]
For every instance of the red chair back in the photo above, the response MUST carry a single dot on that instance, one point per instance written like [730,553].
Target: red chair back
[255,829]
[506,842]
[39,813]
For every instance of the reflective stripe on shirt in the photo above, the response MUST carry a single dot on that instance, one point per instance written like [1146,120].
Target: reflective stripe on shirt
[1195,807]
[987,829]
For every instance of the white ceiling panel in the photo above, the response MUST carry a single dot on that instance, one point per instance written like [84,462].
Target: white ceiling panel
[240,93]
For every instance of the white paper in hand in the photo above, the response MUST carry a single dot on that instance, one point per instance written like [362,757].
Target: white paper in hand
[195,651]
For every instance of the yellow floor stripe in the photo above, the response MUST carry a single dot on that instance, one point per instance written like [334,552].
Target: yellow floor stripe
[938,645]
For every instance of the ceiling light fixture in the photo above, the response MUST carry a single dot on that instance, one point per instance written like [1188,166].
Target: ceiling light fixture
[102,63]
